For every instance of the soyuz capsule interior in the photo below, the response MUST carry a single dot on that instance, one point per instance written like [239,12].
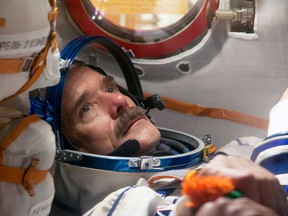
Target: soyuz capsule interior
[204,58]
[218,67]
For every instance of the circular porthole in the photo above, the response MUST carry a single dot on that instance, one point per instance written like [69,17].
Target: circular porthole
[149,28]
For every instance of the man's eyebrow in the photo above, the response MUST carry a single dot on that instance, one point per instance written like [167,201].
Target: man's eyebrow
[108,80]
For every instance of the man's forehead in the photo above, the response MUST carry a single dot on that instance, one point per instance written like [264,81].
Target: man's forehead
[88,77]
[77,63]
[77,71]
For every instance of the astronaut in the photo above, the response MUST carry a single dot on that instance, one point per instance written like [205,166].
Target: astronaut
[28,60]
[119,161]
[117,179]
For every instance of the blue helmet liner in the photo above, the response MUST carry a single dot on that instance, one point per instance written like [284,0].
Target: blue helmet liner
[116,163]
[68,54]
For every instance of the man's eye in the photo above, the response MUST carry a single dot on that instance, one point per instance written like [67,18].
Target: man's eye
[112,89]
[85,109]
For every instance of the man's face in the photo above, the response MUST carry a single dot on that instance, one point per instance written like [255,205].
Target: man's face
[98,118]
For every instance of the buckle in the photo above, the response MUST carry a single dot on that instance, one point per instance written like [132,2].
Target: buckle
[28,62]
[144,162]
[209,148]
[41,108]
[63,155]
[64,63]
[29,175]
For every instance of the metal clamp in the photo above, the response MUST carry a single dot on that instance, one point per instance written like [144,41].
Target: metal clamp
[28,62]
[144,162]
[64,63]
[63,155]
[209,148]
[41,108]
[241,15]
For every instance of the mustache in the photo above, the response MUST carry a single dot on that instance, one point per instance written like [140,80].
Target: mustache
[126,117]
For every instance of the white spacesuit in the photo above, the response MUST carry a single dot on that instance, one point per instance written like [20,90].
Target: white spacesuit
[29,59]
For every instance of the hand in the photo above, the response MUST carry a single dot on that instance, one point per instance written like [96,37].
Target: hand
[240,207]
[224,207]
[252,180]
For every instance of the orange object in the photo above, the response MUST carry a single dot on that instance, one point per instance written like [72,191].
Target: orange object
[201,189]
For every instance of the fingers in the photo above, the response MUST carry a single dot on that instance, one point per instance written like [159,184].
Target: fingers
[252,180]
[239,207]
[182,209]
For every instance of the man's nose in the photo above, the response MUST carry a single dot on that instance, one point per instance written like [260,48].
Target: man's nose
[117,104]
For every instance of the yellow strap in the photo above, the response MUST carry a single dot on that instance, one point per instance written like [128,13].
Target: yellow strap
[219,113]
[2,22]
[154,179]
[26,177]
[54,41]
[18,130]
[53,15]
[8,66]
[52,3]
[37,70]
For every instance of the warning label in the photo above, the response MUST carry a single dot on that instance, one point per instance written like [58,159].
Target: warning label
[42,208]
[23,43]
[16,45]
